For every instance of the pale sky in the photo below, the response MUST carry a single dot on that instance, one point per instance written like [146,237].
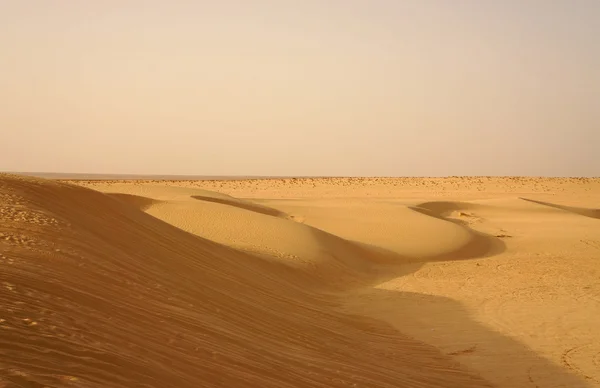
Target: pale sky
[301,87]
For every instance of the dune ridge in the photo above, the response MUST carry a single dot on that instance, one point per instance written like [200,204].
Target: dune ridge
[337,262]
[97,293]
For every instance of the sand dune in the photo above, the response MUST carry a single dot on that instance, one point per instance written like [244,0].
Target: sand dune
[97,293]
[341,252]
[333,282]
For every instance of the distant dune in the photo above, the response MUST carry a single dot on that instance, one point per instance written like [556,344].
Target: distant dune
[304,282]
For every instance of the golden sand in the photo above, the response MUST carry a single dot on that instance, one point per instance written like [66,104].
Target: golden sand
[328,282]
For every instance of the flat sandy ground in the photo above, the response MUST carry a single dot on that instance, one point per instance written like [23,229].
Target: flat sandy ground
[329,282]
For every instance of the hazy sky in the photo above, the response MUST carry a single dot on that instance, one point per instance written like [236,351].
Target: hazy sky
[301,87]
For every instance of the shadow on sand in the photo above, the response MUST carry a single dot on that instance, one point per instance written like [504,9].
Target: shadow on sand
[246,205]
[447,325]
[591,213]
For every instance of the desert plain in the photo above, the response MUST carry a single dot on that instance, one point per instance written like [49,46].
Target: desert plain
[300,282]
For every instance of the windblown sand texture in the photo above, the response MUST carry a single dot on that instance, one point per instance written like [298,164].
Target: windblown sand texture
[329,282]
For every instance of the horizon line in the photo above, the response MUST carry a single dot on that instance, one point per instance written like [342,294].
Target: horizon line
[130,176]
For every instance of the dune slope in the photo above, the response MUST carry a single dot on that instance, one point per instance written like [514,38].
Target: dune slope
[96,293]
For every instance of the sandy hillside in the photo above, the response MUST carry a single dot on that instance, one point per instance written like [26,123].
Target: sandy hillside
[412,282]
